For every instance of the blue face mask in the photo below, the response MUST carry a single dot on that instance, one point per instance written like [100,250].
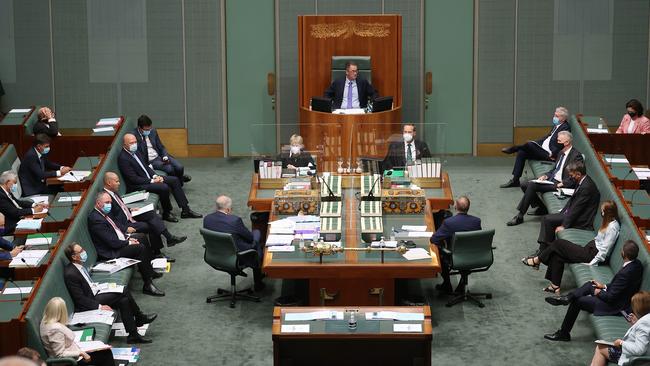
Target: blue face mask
[133,148]
[45,151]
[14,189]
[146,133]
[556,121]
[83,256]
[107,208]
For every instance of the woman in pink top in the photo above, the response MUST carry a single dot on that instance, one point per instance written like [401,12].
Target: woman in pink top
[634,121]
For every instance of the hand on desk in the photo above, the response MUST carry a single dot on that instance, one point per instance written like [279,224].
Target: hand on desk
[15,251]
[105,307]
[65,170]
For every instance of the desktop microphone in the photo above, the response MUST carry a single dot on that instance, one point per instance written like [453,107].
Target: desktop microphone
[628,174]
[9,274]
[45,237]
[331,197]
[25,263]
[90,162]
[632,198]
[371,194]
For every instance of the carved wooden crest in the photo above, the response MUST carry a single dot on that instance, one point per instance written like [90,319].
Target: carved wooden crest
[348,28]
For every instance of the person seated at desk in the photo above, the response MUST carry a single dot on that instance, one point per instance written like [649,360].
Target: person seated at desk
[579,211]
[154,151]
[139,176]
[458,223]
[59,340]
[112,242]
[46,123]
[351,91]
[545,148]
[35,168]
[296,157]
[563,251]
[634,121]
[600,299]
[558,175]
[83,292]
[8,249]
[148,222]
[406,151]
[12,208]
[223,221]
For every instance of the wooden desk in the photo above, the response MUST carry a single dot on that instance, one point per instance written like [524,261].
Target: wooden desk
[12,325]
[31,272]
[12,129]
[330,342]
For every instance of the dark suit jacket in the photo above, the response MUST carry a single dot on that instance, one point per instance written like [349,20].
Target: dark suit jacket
[626,282]
[574,155]
[454,224]
[49,128]
[396,156]
[79,290]
[554,145]
[364,88]
[155,143]
[134,176]
[104,237]
[32,175]
[230,224]
[7,246]
[301,160]
[581,209]
[12,213]
[119,217]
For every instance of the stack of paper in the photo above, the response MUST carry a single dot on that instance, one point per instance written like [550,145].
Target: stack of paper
[40,199]
[616,160]
[91,346]
[283,226]
[143,209]
[159,263]
[135,197]
[349,111]
[112,121]
[37,239]
[416,253]
[307,227]
[282,248]
[394,315]
[29,224]
[314,315]
[597,130]
[92,316]
[28,258]
[104,129]
[419,228]
[270,169]
[127,354]
[17,290]
[120,331]
[20,110]
[420,234]
[69,198]
[74,176]
[276,239]
[642,173]
[115,265]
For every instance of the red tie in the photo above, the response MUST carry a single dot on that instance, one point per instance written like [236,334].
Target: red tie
[120,234]
[125,209]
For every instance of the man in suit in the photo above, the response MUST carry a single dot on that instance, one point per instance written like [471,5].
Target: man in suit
[558,177]
[8,249]
[139,176]
[155,153]
[148,222]
[11,207]
[46,123]
[545,148]
[224,221]
[84,293]
[112,242]
[351,91]
[405,151]
[578,213]
[458,223]
[599,299]
[35,168]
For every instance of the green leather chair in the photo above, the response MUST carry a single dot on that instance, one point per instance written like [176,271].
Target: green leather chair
[221,253]
[470,251]
[338,66]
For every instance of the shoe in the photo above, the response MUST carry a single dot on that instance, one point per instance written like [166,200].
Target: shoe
[152,290]
[515,221]
[553,289]
[509,150]
[170,217]
[189,214]
[530,262]
[540,211]
[168,258]
[156,275]
[137,338]
[511,183]
[444,287]
[143,319]
[558,336]
[186,178]
[175,240]
[259,286]
[558,300]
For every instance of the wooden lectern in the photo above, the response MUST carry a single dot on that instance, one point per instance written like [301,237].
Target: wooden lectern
[349,136]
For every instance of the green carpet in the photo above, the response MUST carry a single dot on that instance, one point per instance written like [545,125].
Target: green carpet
[508,331]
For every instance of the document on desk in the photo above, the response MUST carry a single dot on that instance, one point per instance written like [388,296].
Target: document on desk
[282,248]
[91,346]
[539,181]
[112,121]
[20,110]
[135,197]
[407,328]
[143,209]
[84,335]
[616,160]
[597,130]
[420,234]
[40,199]
[92,316]
[17,290]
[416,254]
[28,258]
[275,239]
[114,265]
[414,227]
[38,241]
[294,328]
[103,129]
[387,244]
[69,198]
[304,218]
[314,315]
[74,176]
[394,315]
[29,224]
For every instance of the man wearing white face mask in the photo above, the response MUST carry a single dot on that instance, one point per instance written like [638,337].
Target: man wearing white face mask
[295,157]
[11,206]
[35,168]
[406,151]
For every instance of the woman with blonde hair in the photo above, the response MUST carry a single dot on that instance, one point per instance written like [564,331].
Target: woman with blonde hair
[58,339]
[294,156]
[635,341]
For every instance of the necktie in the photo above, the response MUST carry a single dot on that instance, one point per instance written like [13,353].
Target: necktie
[125,209]
[349,95]
[120,234]
[141,165]
[13,199]
[409,154]
[558,166]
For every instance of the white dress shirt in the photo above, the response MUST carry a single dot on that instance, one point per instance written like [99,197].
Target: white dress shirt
[558,174]
[355,94]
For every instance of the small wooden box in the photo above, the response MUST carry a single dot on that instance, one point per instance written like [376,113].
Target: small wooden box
[293,202]
[403,201]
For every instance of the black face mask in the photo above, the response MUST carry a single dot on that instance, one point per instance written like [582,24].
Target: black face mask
[632,114]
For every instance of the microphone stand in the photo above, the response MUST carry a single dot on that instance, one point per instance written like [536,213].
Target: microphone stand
[331,197]
[371,194]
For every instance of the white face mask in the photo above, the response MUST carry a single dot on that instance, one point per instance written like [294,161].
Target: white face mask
[408,137]
[295,149]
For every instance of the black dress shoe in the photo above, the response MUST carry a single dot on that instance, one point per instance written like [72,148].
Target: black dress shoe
[143,319]
[444,287]
[558,336]
[151,289]
[558,300]
[515,221]
[540,211]
[189,214]
[170,217]
[509,150]
[137,338]
[175,240]
[511,183]
[186,178]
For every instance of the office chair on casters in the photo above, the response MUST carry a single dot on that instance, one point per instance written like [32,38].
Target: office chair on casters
[221,253]
[470,251]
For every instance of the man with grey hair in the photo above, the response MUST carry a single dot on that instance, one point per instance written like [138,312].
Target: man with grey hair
[12,207]
[223,221]
[557,177]
[545,148]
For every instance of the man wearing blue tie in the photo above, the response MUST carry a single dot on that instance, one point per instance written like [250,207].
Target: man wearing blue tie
[351,91]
